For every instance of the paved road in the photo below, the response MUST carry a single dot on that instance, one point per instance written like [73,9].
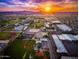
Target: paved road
[52,49]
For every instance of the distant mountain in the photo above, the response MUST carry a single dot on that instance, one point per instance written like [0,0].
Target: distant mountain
[19,12]
[30,12]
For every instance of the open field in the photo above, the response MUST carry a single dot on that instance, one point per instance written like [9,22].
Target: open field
[5,35]
[8,35]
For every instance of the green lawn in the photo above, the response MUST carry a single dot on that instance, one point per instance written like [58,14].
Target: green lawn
[15,21]
[7,28]
[8,35]
[4,35]
[4,22]
[10,21]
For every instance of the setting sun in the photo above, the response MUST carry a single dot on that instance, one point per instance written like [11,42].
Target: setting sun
[46,8]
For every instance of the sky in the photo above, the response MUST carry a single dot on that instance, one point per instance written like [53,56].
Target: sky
[33,5]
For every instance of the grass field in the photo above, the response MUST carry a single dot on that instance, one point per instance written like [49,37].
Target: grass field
[10,21]
[8,35]
[4,35]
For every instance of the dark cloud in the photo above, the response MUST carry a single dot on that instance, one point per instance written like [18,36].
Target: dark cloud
[4,0]
[4,3]
[24,0]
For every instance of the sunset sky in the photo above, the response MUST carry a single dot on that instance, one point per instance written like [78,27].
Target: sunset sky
[35,5]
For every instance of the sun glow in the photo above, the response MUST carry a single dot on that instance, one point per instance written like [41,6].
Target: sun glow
[46,8]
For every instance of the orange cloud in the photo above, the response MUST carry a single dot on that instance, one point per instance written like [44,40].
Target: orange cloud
[48,7]
[58,7]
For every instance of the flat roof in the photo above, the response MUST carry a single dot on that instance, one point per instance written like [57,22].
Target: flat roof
[63,27]
[34,30]
[56,21]
[43,39]
[4,41]
[59,44]
[68,37]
